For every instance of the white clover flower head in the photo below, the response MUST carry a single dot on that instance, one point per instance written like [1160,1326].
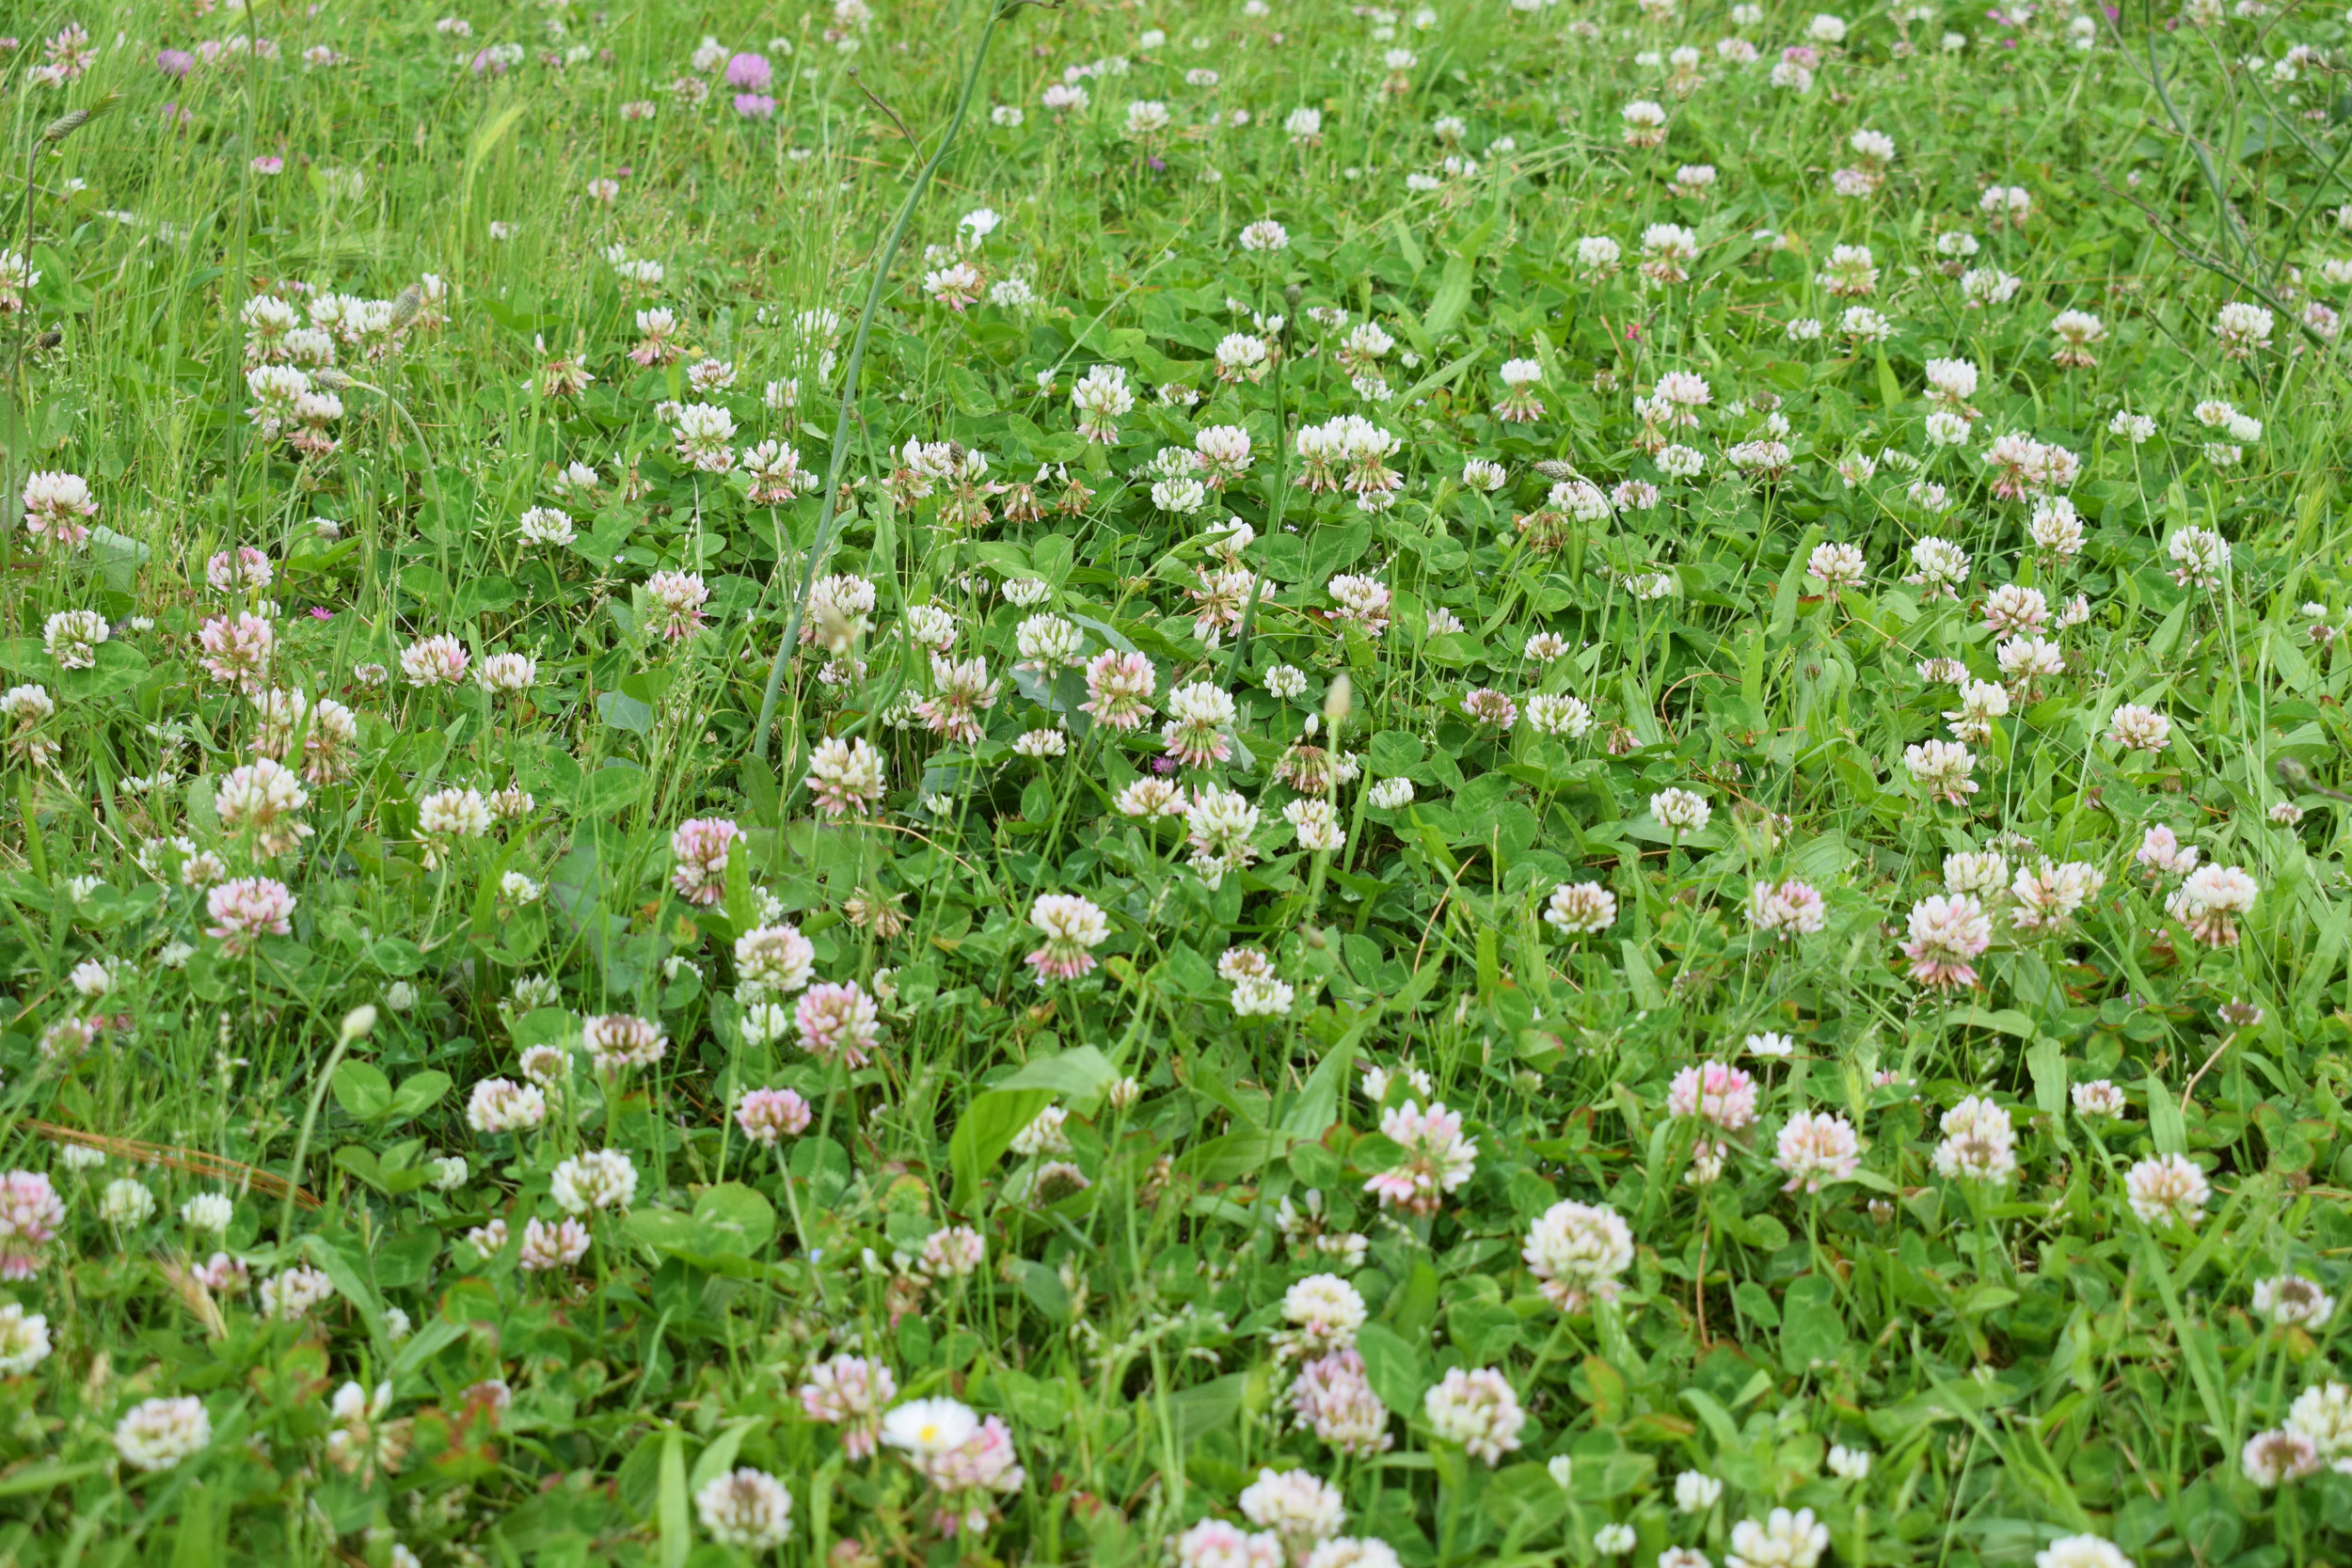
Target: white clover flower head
[1681,811]
[1696,1492]
[746,1509]
[1477,1409]
[2081,1551]
[160,1433]
[1780,1540]
[600,1179]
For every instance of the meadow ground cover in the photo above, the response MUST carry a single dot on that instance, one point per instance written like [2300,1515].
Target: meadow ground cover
[1261,785]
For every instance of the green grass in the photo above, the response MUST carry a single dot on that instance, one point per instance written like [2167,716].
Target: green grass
[1149,1157]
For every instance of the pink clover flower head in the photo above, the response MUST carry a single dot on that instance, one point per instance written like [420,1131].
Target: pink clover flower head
[1072,926]
[1118,689]
[839,1023]
[238,652]
[1815,1148]
[1436,1159]
[699,847]
[57,506]
[247,910]
[1715,1092]
[681,596]
[845,777]
[31,1214]
[767,1114]
[2210,901]
[1949,933]
[851,1392]
[1788,909]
